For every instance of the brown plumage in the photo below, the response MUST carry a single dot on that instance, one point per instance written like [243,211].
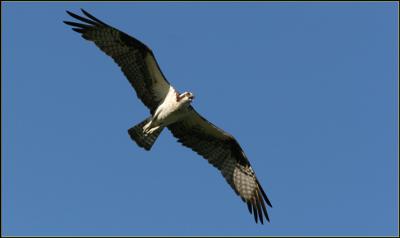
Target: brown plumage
[140,67]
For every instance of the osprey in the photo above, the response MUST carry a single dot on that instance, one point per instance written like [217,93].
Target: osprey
[171,109]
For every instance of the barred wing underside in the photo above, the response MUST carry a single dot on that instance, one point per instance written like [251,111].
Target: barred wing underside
[135,59]
[225,153]
[140,67]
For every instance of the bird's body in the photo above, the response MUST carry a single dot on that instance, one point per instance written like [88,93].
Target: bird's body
[173,110]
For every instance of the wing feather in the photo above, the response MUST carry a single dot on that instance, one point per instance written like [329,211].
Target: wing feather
[135,59]
[223,152]
[139,65]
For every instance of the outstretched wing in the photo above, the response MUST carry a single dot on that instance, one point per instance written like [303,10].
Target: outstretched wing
[135,59]
[225,153]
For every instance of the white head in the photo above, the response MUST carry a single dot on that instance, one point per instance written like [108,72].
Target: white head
[185,98]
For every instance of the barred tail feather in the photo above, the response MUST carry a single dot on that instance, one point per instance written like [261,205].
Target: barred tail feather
[144,140]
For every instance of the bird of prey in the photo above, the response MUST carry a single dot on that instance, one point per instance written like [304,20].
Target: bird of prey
[173,110]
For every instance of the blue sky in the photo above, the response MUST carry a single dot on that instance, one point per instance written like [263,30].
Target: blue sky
[310,90]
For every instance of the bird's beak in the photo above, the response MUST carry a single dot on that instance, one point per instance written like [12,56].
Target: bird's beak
[191,97]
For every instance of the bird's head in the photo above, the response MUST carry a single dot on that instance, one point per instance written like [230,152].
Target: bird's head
[185,98]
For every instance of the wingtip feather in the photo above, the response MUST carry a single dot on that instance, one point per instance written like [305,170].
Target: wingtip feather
[249,207]
[264,195]
[79,30]
[260,214]
[92,17]
[255,212]
[69,13]
[263,206]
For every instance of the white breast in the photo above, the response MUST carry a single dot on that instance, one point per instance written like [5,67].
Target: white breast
[168,112]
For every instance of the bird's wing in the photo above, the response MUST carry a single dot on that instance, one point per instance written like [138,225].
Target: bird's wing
[135,59]
[225,153]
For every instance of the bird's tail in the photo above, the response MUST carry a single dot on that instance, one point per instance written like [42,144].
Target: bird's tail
[145,140]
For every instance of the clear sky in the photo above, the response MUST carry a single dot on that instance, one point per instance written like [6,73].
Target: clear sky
[310,90]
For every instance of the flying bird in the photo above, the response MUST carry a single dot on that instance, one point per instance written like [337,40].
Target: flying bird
[173,110]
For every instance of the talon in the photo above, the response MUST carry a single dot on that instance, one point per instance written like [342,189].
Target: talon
[153,129]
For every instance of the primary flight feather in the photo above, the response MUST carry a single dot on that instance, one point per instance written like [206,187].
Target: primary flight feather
[171,109]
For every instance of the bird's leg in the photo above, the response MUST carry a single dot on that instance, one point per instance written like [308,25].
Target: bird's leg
[149,128]
[146,127]
[153,129]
